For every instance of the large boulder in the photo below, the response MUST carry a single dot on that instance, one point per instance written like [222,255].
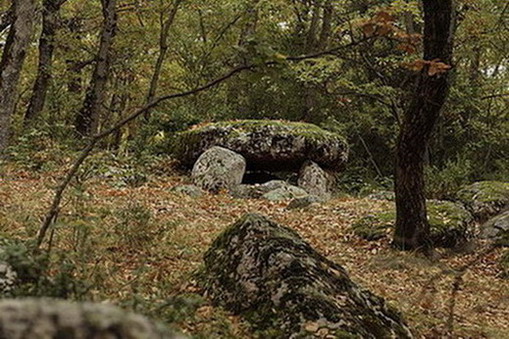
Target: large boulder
[314,180]
[497,229]
[450,224]
[266,145]
[52,319]
[485,198]
[218,168]
[271,276]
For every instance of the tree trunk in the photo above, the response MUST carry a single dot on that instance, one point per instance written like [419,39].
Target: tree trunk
[50,23]
[163,50]
[87,121]
[12,61]
[412,226]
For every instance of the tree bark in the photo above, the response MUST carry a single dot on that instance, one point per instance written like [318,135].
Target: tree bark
[412,226]
[50,23]
[12,61]
[163,50]
[87,121]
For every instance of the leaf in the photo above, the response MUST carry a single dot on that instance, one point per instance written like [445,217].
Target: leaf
[437,67]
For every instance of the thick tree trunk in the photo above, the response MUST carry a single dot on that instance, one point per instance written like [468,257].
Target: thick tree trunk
[50,23]
[412,226]
[12,61]
[163,50]
[87,121]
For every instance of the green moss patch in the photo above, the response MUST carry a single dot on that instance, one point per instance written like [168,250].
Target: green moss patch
[450,223]
[485,198]
[266,144]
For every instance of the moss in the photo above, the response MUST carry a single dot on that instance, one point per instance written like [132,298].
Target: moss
[293,143]
[485,191]
[449,223]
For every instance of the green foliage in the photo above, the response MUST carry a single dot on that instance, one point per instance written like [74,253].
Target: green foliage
[42,274]
[134,226]
[442,184]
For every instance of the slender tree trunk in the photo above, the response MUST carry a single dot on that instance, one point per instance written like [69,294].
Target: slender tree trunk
[12,61]
[163,50]
[412,226]
[50,23]
[87,121]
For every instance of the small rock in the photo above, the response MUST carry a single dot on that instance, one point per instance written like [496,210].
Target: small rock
[285,193]
[218,168]
[314,180]
[191,190]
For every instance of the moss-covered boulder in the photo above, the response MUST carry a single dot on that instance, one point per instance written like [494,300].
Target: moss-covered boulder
[485,198]
[266,144]
[285,288]
[451,224]
[52,319]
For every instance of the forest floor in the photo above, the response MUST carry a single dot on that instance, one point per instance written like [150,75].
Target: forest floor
[140,246]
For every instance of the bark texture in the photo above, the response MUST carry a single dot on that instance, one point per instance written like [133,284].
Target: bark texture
[11,63]
[268,274]
[412,227]
[50,24]
[47,319]
[87,121]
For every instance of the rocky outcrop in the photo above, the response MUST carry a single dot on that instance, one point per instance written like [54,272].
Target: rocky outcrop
[217,169]
[314,180]
[265,144]
[497,229]
[485,198]
[276,280]
[52,319]
[450,224]
[304,202]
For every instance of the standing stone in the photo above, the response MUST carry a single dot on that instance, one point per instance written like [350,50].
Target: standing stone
[277,281]
[314,180]
[218,168]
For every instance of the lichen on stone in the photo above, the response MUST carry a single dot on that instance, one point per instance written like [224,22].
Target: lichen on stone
[278,282]
[485,199]
[266,144]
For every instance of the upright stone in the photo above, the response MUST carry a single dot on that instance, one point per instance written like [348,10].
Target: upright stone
[314,180]
[271,276]
[218,168]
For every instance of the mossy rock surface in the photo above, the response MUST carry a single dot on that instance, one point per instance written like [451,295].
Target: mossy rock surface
[266,144]
[47,319]
[450,223]
[497,229]
[286,289]
[485,198]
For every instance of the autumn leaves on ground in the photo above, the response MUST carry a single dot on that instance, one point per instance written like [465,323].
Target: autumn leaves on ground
[138,243]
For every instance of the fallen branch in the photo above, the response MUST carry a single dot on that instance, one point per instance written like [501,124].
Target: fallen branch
[55,205]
